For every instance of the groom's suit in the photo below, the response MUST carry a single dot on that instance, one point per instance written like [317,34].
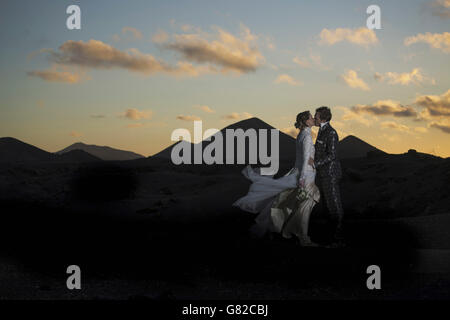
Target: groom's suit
[329,172]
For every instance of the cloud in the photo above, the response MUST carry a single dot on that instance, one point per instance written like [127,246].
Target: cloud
[405,78]
[75,134]
[385,108]
[378,76]
[360,36]
[188,69]
[54,75]
[395,126]
[435,106]
[390,138]
[128,33]
[436,112]
[136,34]
[135,125]
[340,128]
[99,55]
[443,126]
[205,109]
[317,61]
[439,41]
[236,116]
[302,62]
[353,81]
[135,114]
[313,60]
[441,8]
[219,53]
[186,27]
[421,129]
[285,78]
[160,37]
[188,118]
[338,124]
[32,54]
[350,115]
[222,50]
[425,115]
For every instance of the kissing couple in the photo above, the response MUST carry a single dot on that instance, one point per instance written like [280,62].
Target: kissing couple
[285,204]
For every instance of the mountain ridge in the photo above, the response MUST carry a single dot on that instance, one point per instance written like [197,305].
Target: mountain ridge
[285,140]
[15,150]
[102,152]
[349,147]
[354,147]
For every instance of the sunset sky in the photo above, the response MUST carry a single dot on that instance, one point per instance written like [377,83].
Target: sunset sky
[137,70]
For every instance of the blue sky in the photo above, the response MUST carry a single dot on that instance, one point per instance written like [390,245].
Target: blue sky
[52,103]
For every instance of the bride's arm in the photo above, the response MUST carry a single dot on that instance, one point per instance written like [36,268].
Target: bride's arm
[306,148]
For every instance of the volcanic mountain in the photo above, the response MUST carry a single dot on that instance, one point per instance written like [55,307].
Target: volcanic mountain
[102,152]
[353,147]
[286,142]
[14,150]
[349,147]
[77,155]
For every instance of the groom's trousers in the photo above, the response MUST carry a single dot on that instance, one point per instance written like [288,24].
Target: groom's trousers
[330,191]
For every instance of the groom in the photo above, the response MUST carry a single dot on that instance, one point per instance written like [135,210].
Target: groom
[329,169]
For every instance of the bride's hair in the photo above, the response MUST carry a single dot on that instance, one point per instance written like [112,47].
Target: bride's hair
[302,117]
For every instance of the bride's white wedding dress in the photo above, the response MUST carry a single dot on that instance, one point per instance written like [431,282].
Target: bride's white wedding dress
[275,199]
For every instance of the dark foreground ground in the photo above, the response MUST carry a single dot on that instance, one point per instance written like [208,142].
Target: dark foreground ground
[150,257]
[148,230]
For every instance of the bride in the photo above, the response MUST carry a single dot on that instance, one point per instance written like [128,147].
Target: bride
[285,204]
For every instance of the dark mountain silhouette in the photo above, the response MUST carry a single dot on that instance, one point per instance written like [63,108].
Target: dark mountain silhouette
[102,152]
[14,150]
[353,147]
[77,156]
[349,147]
[286,142]
[165,153]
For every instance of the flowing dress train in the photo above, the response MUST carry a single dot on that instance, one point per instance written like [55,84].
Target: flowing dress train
[276,200]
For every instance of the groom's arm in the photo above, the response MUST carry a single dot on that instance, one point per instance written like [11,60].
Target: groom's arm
[331,151]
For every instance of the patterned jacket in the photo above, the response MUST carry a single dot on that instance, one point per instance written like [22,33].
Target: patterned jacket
[326,158]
